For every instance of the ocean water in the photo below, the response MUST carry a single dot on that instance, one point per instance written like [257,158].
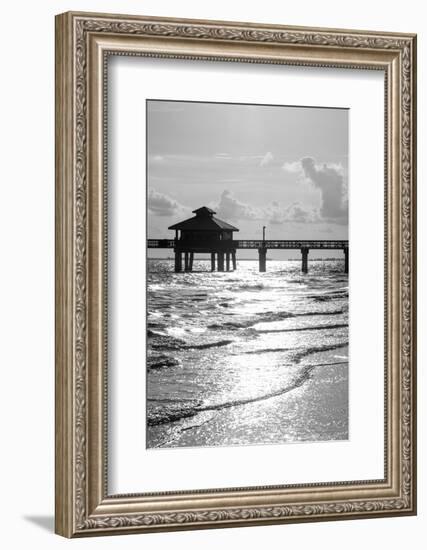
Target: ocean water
[247,358]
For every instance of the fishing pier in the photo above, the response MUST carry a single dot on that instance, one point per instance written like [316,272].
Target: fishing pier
[206,234]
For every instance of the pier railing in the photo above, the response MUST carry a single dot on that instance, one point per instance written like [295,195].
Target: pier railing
[291,244]
[161,243]
[251,244]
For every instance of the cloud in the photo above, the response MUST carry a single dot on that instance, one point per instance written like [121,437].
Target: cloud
[329,179]
[294,213]
[292,167]
[231,208]
[162,205]
[266,159]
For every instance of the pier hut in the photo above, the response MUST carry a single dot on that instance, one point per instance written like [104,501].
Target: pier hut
[204,234]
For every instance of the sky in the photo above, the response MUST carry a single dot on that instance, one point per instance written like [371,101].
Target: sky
[282,167]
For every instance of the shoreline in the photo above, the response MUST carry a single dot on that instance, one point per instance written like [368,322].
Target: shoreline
[318,406]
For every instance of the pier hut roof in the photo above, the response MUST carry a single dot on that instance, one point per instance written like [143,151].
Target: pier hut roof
[204,220]
[204,211]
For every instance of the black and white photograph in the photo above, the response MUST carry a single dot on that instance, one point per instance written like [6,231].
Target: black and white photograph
[247,274]
[213,254]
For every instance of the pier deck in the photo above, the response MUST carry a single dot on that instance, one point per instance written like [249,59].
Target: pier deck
[228,249]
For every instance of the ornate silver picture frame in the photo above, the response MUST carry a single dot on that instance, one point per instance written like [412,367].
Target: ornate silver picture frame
[84,504]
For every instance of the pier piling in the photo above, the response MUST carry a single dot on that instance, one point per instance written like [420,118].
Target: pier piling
[304,267]
[178,262]
[262,257]
[233,256]
[223,252]
[220,261]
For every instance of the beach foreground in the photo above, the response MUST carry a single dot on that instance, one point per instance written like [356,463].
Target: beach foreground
[246,358]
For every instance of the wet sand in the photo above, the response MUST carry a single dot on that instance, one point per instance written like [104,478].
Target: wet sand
[315,411]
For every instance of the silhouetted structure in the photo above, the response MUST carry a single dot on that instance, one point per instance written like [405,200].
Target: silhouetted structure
[204,233]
